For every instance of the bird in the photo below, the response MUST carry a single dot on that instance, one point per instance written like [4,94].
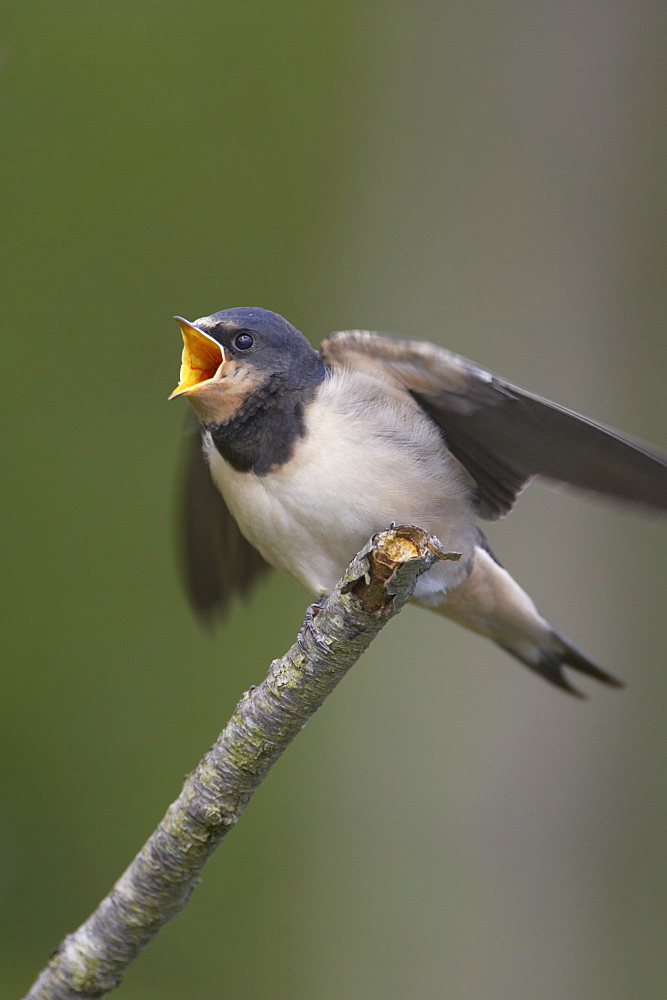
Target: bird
[303,454]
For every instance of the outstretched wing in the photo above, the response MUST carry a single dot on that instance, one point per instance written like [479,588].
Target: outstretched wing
[217,561]
[504,435]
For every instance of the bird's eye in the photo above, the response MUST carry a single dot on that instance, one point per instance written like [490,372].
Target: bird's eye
[243,341]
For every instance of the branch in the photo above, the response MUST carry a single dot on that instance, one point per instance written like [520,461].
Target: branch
[158,883]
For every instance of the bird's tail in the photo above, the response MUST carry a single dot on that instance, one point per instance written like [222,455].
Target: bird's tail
[549,656]
[491,603]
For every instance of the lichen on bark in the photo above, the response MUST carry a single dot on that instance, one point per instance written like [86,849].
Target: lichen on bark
[159,881]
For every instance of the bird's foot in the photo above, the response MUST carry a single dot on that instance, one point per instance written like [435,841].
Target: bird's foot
[308,627]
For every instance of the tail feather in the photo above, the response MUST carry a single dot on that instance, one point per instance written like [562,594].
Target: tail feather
[553,656]
[491,603]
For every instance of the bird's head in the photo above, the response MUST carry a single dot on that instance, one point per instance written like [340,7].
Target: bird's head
[234,354]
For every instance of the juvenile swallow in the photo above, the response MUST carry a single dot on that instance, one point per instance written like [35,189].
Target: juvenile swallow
[305,454]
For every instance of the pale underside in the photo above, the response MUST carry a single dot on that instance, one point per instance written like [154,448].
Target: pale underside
[369,457]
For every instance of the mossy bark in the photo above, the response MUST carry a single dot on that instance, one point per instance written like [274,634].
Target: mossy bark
[158,882]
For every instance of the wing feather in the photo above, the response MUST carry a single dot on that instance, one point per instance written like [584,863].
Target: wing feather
[504,435]
[218,563]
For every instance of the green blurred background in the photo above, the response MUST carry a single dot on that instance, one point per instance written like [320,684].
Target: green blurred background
[489,176]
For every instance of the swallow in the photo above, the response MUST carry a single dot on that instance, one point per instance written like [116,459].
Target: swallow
[305,454]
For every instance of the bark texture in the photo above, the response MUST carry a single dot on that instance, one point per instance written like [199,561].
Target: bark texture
[158,882]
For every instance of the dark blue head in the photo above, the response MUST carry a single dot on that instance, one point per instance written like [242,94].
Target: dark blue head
[249,374]
[265,341]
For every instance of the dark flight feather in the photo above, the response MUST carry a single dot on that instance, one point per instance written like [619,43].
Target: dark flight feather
[217,561]
[504,435]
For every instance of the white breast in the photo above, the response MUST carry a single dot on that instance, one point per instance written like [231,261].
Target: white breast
[369,457]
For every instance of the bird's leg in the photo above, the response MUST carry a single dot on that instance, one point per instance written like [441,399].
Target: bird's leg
[309,625]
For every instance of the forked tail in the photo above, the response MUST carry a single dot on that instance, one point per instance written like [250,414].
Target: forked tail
[491,603]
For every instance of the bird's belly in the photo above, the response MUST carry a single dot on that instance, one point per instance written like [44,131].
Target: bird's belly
[311,515]
[285,521]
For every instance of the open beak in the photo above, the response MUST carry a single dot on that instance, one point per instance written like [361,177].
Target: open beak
[202,359]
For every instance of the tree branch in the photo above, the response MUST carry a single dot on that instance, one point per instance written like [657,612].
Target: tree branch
[158,883]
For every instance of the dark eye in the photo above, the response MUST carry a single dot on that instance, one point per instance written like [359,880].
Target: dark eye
[243,341]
